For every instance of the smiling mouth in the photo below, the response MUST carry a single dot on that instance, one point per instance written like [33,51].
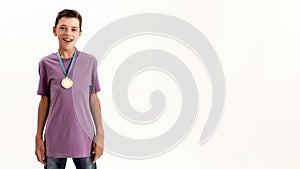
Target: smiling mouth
[67,40]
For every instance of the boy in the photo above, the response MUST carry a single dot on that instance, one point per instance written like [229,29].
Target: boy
[68,118]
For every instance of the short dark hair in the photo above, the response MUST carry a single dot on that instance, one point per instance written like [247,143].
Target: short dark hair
[69,14]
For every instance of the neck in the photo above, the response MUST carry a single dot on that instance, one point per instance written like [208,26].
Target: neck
[66,53]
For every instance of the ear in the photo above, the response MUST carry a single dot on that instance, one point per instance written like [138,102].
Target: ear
[54,31]
[80,33]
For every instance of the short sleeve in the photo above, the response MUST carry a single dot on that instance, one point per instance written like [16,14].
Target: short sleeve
[95,80]
[43,87]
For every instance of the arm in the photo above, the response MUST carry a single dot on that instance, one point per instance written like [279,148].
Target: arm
[98,142]
[42,116]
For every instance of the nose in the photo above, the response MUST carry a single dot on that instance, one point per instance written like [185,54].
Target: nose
[68,32]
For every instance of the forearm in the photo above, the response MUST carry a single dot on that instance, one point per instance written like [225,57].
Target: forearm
[42,116]
[96,113]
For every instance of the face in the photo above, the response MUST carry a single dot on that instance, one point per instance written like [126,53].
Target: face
[68,32]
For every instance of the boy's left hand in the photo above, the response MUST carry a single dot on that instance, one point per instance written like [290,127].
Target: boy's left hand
[97,150]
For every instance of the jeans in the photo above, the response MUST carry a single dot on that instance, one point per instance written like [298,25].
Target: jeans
[80,163]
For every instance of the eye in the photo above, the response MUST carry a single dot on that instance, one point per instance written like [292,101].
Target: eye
[74,30]
[62,28]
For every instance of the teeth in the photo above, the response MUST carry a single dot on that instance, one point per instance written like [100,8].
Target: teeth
[68,40]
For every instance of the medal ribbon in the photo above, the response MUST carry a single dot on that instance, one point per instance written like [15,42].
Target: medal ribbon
[62,65]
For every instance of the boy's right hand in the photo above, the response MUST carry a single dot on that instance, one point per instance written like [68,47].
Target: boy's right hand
[40,150]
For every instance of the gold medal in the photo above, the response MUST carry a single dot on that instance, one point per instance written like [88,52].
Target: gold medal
[66,83]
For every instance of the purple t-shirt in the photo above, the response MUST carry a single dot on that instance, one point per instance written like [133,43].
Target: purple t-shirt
[69,127]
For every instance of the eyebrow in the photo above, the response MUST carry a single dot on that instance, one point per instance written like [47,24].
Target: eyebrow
[71,26]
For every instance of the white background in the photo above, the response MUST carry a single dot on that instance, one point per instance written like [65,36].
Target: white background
[257,44]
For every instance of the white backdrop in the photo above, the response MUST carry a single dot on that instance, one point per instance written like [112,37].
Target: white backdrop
[256,42]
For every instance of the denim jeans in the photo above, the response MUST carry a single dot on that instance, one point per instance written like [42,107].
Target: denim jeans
[80,163]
